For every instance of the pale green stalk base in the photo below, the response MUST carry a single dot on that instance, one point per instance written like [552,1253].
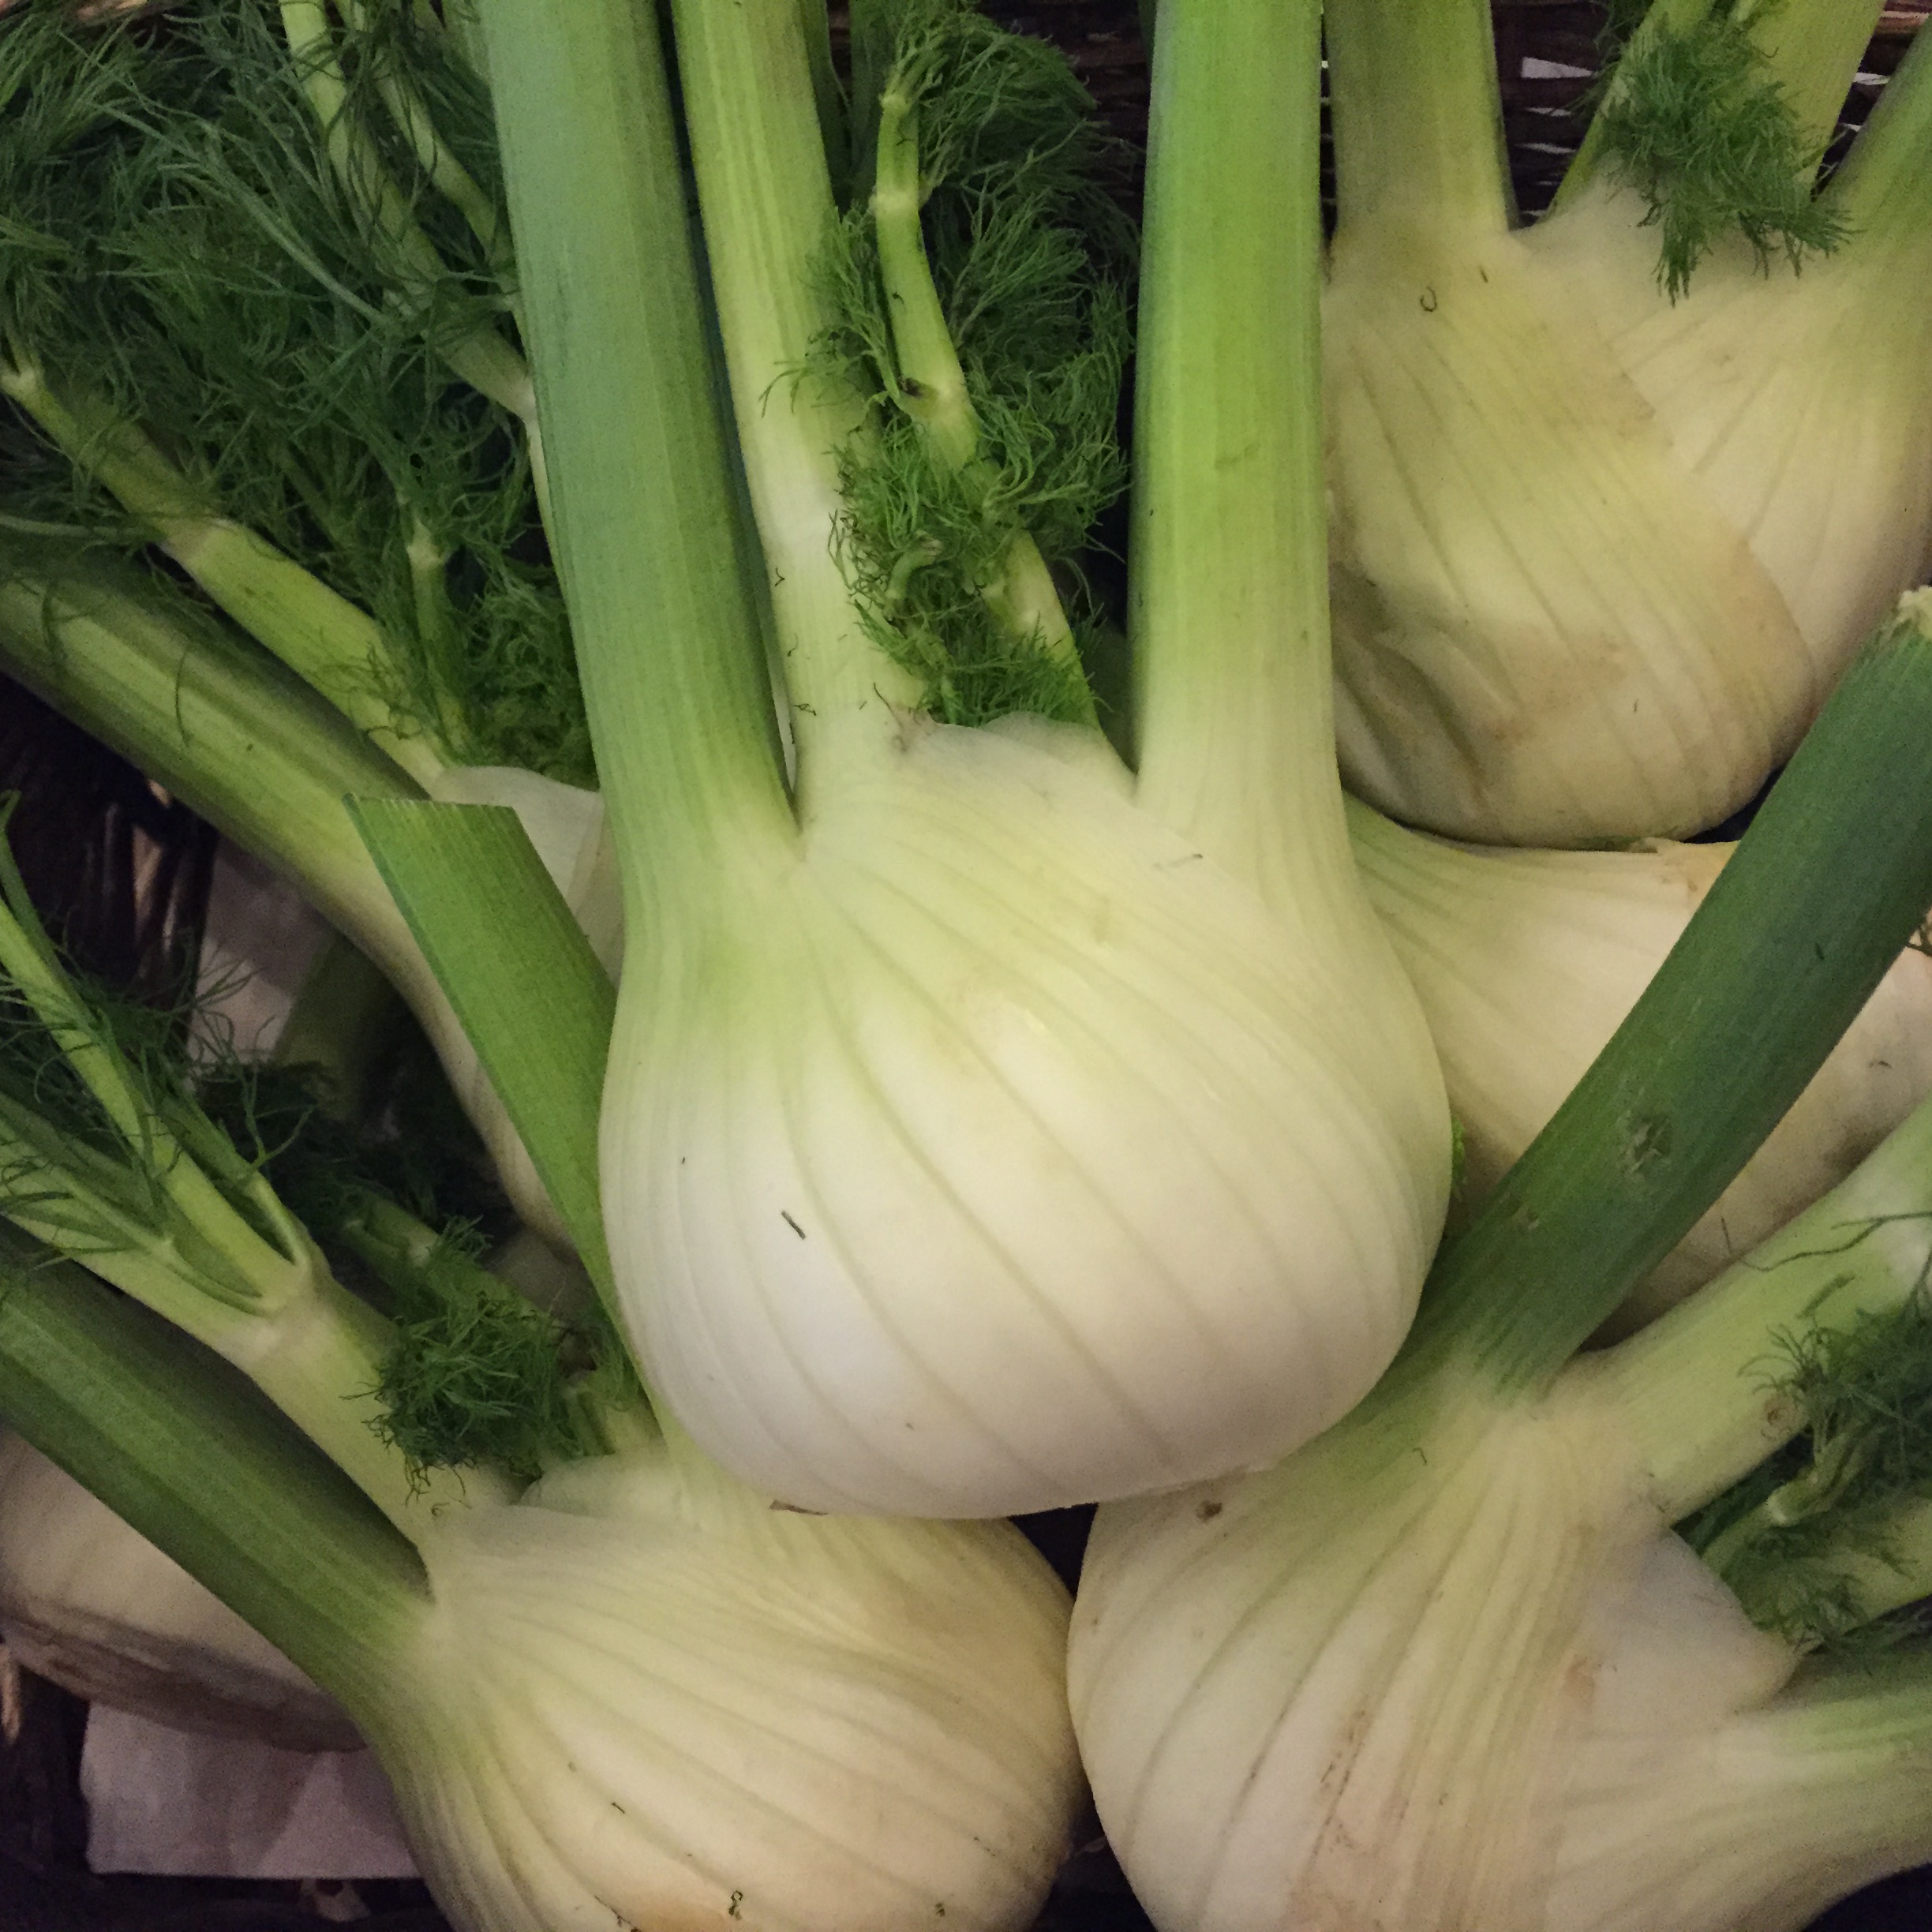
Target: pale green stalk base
[319,1362]
[1699,1385]
[1229,589]
[1418,114]
[766,196]
[667,634]
[1025,599]
[1884,190]
[1813,50]
[933,385]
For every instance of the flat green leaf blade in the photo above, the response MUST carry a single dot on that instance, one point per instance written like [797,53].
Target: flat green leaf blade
[514,964]
[179,1445]
[1827,884]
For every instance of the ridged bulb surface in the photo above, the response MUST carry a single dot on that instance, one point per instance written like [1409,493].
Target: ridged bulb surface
[1331,1698]
[1526,962]
[1598,559]
[1799,402]
[1730,1811]
[646,1700]
[1395,1687]
[999,1151]
[1446,1670]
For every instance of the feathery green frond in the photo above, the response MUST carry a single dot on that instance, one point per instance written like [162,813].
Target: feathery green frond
[178,244]
[476,1375]
[1712,146]
[1780,1538]
[1031,257]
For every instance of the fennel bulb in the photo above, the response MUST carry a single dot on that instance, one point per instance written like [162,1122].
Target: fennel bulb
[1526,962]
[986,1145]
[1446,1669]
[985,1128]
[92,1604]
[639,1694]
[642,1692]
[1491,1694]
[632,1691]
[1599,549]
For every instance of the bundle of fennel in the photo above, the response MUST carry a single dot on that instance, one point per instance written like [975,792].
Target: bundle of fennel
[990,1120]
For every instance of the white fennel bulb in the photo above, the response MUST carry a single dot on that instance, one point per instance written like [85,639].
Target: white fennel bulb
[1446,1670]
[1600,553]
[1342,1693]
[1002,1149]
[986,1128]
[1526,962]
[92,1604]
[1544,633]
[642,1695]
[636,1695]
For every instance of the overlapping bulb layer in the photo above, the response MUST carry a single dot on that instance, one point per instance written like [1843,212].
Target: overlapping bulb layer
[1468,1683]
[96,1607]
[644,1697]
[1599,556]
